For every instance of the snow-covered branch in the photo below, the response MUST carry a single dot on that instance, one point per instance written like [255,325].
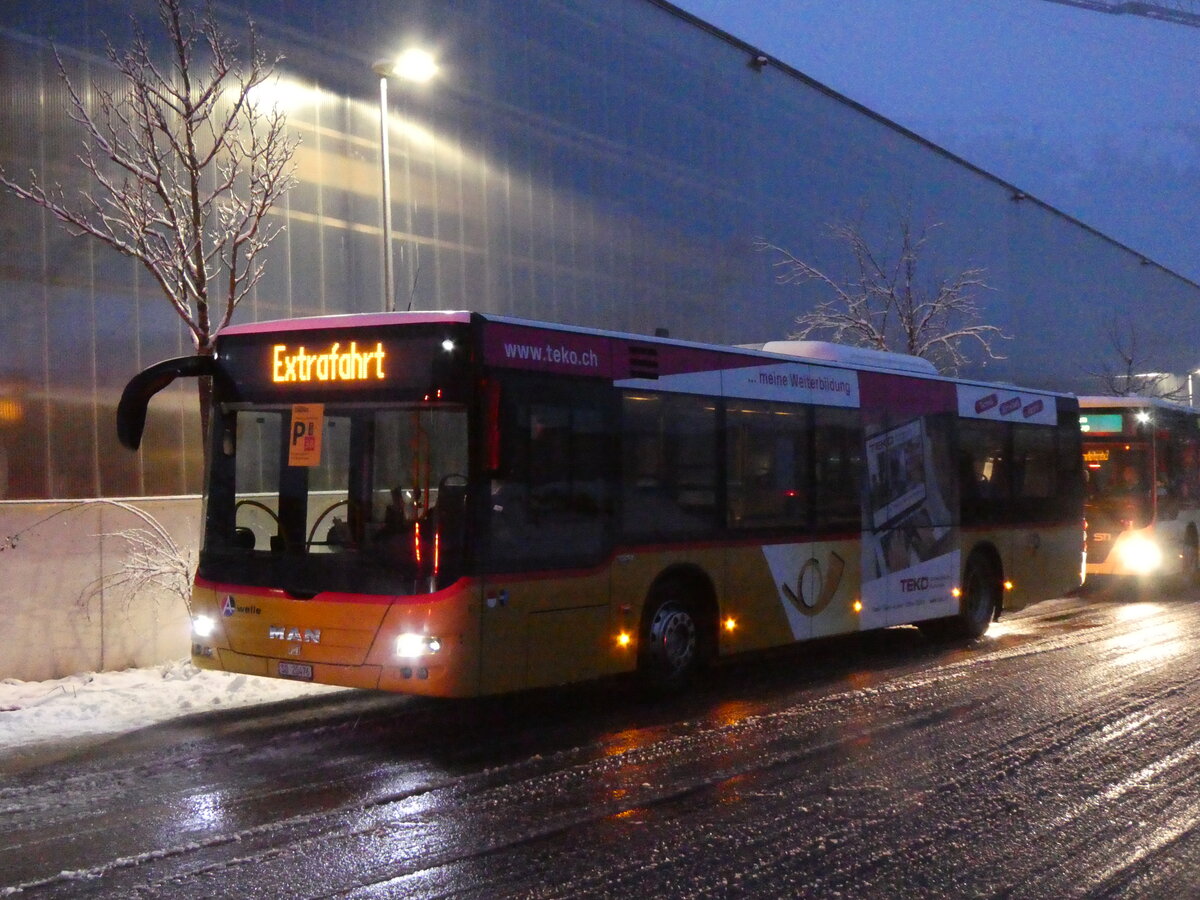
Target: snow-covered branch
[1123,379]
[184,166]
[886,305]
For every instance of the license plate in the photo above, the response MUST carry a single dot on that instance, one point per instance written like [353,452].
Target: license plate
[301,671]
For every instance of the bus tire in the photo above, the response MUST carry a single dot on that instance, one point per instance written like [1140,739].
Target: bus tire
[1189,568]
[670,652]
[981,598]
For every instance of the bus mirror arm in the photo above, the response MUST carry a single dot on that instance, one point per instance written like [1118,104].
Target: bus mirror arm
[131,411]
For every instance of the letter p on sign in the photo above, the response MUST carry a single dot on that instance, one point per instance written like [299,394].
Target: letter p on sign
[305,440]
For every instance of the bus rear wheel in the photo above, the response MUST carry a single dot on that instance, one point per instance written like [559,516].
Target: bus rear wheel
[981,597]
[671,645]
[1190,559]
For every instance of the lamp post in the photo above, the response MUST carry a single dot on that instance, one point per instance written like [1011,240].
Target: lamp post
[416,66]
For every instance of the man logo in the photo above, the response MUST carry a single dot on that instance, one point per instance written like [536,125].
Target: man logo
[291,633]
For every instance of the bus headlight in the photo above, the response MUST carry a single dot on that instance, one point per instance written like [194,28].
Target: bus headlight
[203,626]
[1139,555]
[411,646]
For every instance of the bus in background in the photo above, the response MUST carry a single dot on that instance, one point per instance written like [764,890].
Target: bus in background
[458,504]
[1141,459]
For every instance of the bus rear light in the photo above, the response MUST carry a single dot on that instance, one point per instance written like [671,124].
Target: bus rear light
[413,646]
[203,626]
[491,424]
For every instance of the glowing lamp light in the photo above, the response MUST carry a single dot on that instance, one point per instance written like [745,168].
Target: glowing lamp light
[11,411]
[624,639]
[414,64]
[956,592]
[411,645]
[203,626]
[858,606]
[1139,555]
[1008,585]
[448,345]
[730,624]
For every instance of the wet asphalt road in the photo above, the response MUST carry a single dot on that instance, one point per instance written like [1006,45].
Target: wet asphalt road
[1057,757]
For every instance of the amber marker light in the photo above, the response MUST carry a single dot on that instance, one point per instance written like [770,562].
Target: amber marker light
[1008,585]
[730,623]
[955,592]
[858,606]
[624,639]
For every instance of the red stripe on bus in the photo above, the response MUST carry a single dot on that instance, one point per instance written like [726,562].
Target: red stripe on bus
[459,586]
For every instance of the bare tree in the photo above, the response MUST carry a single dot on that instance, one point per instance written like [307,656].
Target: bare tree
[885,306]
[1124,380]
[184,168]
[153,563]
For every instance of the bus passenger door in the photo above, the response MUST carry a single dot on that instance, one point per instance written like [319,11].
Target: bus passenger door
[777,586]
[545,614]
[1046,483]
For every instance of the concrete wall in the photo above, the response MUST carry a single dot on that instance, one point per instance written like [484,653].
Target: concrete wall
[63,605]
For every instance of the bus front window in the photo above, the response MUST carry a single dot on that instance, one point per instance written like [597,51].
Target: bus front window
[338,496]
[1119,484]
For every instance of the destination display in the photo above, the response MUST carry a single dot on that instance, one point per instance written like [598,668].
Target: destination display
[372,364]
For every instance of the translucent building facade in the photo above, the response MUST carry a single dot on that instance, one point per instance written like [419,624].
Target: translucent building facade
[608,163]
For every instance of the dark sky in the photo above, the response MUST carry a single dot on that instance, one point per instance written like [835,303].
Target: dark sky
[1095,114]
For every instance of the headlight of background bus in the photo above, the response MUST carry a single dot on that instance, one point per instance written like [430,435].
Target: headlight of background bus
[1139,555]
[203,626]
[410,646]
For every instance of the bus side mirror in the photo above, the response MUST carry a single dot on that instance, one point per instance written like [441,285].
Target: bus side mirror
[131,411]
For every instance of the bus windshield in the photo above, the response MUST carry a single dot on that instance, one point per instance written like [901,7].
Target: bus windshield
[366,498]
[1119,481]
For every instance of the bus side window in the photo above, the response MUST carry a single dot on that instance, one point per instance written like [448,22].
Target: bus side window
[551,502]
[983,470]
[1189,472]
[838,460]
[1034,465]
[668,465]
[767,465]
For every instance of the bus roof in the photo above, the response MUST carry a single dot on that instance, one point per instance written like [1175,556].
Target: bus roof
[818,352]
[1101,401]
[348,320]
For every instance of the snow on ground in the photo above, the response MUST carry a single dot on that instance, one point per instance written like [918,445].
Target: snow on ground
[98,704]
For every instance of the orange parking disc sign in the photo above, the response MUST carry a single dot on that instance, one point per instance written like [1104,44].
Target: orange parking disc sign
[305,439]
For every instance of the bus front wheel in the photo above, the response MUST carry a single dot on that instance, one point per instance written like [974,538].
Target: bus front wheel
[670,651]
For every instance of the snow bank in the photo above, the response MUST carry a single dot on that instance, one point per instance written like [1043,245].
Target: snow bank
[106,703]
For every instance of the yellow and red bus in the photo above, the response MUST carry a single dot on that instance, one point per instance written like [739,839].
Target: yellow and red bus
[1141,460]
[458,504]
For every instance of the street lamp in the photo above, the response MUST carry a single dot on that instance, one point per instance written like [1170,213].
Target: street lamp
[1191,397]
[413,65]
